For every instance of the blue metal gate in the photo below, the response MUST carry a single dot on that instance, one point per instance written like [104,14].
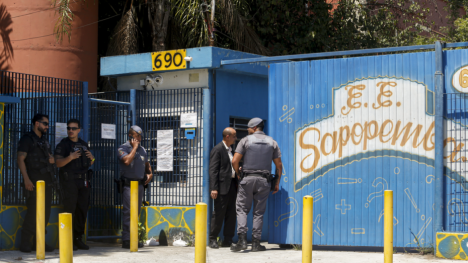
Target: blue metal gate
[61,99]
[349,129]
[105,213]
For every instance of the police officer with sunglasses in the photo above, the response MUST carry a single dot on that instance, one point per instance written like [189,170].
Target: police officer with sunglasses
[74,159]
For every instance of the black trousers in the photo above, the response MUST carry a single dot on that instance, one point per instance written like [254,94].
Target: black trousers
[224,211]
[76,202]
[29,224]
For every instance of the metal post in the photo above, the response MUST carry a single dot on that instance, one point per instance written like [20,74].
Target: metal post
[439,138]
[85,112]
[40,219]
[200,227]
[65,238]
[134,216]
[307,228]
[388,227]
[207,130]
[133,106]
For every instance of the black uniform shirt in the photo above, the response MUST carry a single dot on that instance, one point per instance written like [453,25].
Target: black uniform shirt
[26,144]
[67,146]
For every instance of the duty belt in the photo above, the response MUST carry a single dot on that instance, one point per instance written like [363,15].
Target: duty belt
[257,175]
[80,176]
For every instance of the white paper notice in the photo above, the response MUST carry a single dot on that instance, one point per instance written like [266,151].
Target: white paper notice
[188,120]
[107,131]
[165,150]
[60,132]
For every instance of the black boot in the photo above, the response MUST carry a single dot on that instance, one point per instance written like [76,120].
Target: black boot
[241,243]
[79,244]
[25,243]
[126,244]
[214,244]
[256,245]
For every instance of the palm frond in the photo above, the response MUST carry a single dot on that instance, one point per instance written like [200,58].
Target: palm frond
[228,18]
[237,27]
[124,38]
[63,25]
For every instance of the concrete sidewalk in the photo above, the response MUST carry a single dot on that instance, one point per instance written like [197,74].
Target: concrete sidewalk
[114,253]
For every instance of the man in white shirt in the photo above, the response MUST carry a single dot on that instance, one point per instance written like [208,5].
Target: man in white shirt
[223,187]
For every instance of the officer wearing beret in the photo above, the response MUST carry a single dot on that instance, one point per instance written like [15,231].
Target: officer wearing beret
[134,166]
[74,159]
[258,150]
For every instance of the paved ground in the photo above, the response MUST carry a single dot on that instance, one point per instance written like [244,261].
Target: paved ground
[112,253]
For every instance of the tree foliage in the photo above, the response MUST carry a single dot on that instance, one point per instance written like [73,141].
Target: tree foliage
[268,27]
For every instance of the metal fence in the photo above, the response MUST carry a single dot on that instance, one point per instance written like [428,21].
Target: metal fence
[161,110]
[456,113]
[104,217]
[61,99]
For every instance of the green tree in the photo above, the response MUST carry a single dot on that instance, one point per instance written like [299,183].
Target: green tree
[171,23]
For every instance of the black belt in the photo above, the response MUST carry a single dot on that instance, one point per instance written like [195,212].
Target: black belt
[256,175]
[80,176]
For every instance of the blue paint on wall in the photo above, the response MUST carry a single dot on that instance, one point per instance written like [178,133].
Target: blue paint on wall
[347,204]
[240,95]
[203,57]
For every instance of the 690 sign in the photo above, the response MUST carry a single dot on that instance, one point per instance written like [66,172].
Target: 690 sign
[169,60]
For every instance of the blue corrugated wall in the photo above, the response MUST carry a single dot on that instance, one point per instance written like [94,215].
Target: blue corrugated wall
[340,124]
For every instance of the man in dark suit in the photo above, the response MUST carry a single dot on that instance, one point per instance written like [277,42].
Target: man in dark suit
[223,187]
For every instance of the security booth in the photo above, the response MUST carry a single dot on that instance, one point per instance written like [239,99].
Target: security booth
[183,100]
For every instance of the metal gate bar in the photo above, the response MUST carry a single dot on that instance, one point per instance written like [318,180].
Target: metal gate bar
[61,99]
[104,217]
[457,195]
[161,110]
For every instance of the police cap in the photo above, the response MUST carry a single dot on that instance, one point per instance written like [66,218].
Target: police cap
[137,129]
[254,122]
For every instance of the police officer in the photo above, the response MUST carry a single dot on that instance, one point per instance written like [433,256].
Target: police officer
[134,166]
[74,158]
[34,159]
[258,150]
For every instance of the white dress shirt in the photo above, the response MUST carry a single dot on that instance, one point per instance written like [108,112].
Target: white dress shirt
[228,149]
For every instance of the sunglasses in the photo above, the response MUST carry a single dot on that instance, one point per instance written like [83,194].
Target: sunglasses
[72,128]
[44,123]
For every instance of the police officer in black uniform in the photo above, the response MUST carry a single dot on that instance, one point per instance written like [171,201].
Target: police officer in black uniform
[74,158]
[34,159]
[258,150]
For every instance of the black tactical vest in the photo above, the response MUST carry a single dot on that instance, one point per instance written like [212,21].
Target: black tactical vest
[37,161]
[79,165]
[259,154]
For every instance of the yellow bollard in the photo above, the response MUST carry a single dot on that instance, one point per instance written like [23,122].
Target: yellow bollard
[388,227]
[134,216]
[307,228]
[65,238]
[40,219]
[200,232]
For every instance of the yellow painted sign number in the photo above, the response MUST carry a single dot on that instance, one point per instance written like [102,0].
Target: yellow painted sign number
[169,60]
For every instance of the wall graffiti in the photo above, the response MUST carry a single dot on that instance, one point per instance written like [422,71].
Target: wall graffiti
[452,245]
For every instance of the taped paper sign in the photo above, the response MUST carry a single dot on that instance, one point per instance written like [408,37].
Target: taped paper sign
[165,150]
[188,120]
[60,132]
[107,131]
